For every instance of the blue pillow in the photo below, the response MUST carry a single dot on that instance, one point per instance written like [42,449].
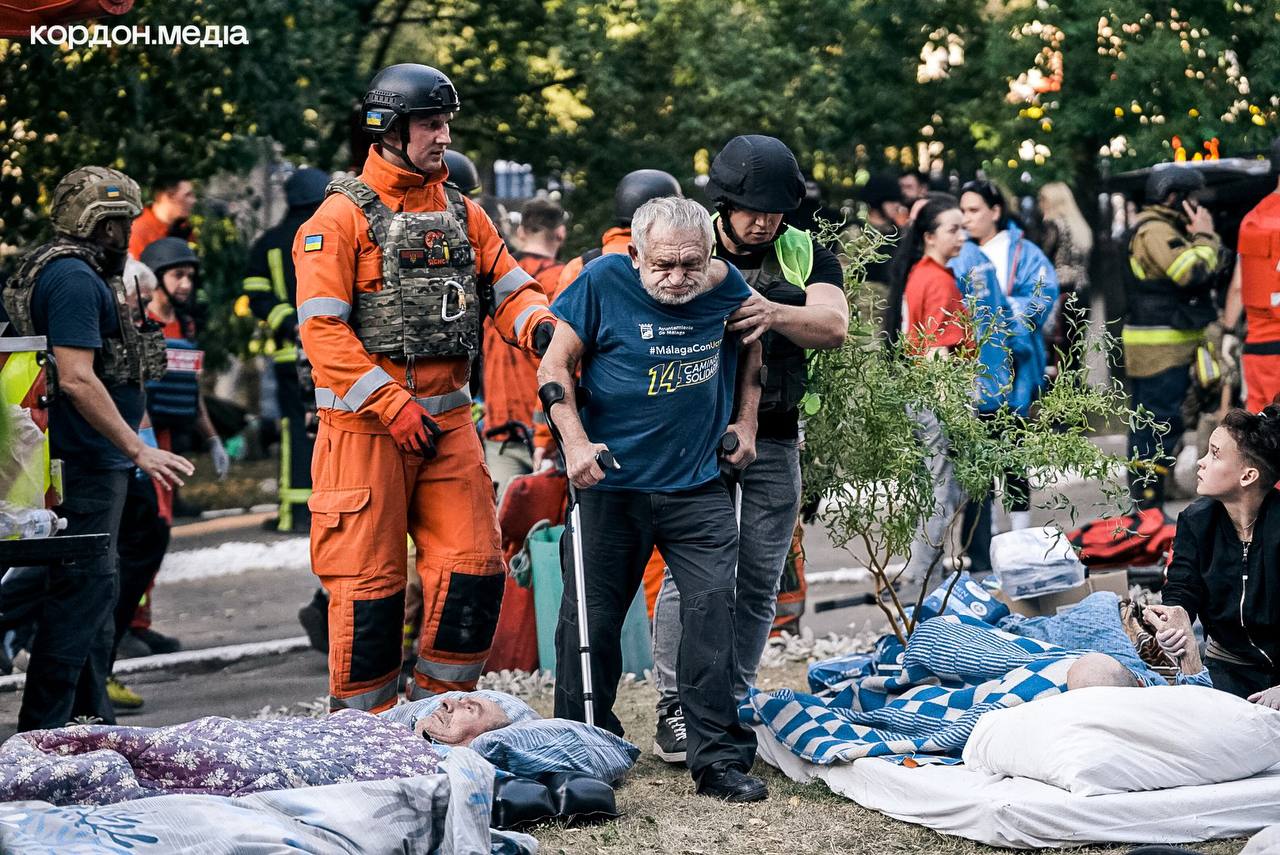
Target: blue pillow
[531,748]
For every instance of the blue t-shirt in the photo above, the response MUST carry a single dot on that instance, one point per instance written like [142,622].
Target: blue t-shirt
[73,307]
[661,378]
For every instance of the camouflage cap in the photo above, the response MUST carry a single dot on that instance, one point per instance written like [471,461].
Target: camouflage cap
[87,195]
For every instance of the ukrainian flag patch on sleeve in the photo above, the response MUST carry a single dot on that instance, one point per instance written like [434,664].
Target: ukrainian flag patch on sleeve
[312,243]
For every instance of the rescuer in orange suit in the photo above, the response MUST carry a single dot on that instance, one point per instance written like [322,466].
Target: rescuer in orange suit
[395,272]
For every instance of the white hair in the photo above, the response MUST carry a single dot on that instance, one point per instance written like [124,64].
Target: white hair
[672,214]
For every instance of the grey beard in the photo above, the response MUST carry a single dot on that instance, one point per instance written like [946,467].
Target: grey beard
[673,300]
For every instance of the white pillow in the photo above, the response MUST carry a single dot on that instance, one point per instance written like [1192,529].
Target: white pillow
[1121,740]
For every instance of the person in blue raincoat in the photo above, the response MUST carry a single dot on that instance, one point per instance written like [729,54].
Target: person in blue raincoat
[1010,279]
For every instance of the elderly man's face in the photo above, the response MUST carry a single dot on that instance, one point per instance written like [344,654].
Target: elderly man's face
[674,265]
[457,721]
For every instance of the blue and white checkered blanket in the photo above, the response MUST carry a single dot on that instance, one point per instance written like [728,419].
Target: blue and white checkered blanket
[955,669]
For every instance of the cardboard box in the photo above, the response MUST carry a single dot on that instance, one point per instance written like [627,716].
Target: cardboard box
[1116,581]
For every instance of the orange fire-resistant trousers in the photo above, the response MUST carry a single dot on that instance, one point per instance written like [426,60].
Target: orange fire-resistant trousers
[366,495]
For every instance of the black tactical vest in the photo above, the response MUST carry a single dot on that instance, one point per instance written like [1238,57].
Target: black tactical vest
[785,372]
[137,356]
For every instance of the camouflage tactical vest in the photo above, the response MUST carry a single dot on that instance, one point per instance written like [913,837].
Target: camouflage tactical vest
[137,356]
[429,304]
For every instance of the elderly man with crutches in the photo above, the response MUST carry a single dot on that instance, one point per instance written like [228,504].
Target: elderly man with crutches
[660,369]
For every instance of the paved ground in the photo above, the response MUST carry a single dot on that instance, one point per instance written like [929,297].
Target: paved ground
[261,605]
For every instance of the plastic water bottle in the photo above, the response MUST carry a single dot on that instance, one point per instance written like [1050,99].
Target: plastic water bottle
[28,524]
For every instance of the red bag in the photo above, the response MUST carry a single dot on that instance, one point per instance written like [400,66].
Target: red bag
[528,499]
[1133,539]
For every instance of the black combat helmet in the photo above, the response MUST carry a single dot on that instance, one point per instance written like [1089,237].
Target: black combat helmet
[305,187]
[406,89]
[756,173]
[168,252]
[1172,178]
[639,187]
[462,172]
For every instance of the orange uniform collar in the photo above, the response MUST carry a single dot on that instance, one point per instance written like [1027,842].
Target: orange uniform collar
[385,177]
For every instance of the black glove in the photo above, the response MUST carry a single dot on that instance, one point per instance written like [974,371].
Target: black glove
[542,337]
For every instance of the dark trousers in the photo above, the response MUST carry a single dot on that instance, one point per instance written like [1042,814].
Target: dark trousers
[144,539]
[1240,680]
[71,652]
[1163,395]
[696,532]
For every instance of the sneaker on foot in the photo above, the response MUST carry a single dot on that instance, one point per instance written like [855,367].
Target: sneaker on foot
[121,696]
[157,642]
[669,743]
[131,647]
[314,617]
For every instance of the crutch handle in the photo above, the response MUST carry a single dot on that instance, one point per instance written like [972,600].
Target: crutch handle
[728,444]
[607,461]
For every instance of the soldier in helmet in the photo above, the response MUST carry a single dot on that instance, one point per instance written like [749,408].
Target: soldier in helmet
[71,291]
[395,272]
[271,285]
[1174,257]
[797,303]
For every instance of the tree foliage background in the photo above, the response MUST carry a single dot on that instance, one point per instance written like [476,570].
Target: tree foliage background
[1028,90]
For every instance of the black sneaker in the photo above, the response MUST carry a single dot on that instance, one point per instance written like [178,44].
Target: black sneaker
[157,642]
[669,743]
[314,617]
[726,781]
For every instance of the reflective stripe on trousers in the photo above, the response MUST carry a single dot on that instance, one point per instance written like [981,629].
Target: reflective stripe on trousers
[367,700]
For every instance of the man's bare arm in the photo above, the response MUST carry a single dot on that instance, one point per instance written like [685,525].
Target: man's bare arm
[821,323]
[746,421]
[77,380]
[558,366]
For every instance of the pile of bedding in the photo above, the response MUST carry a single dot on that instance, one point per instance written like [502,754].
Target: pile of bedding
[971,731]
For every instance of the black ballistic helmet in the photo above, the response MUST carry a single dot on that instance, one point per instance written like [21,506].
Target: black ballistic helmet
[462,172]
[168,252]
[404,90]
[1172,178]
[639,187]
[305,187]
[756,173]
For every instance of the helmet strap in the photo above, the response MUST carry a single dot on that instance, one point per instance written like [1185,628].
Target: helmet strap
[723,208]
[402,125]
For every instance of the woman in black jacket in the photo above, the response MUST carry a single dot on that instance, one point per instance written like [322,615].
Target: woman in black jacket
[1226,560]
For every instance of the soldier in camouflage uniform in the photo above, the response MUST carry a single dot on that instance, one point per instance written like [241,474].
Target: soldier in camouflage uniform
[71,291]
[395,272]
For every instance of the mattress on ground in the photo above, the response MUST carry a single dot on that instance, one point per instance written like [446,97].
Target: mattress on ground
[1024,814]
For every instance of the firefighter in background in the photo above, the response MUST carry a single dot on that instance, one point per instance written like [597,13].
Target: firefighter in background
[272,288]
[395,271]
[511,376]
[1255,290]
[1174,256]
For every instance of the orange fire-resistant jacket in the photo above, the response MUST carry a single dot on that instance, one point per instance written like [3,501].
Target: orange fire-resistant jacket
[364,392]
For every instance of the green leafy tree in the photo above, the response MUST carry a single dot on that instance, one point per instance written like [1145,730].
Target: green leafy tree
[863,454]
